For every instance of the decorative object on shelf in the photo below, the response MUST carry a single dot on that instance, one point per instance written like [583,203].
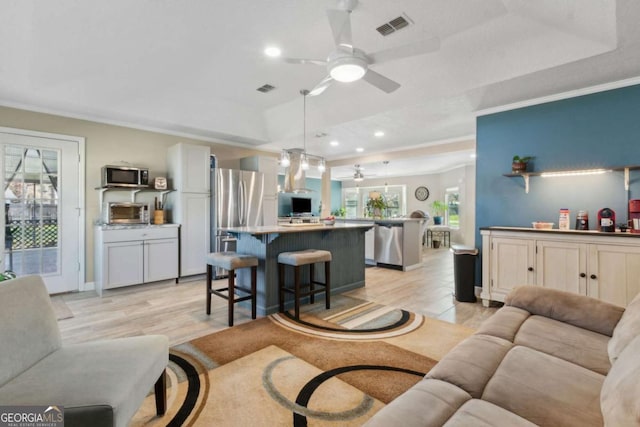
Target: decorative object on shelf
[160,183]
[376,204]
[422,193]
[539,225]
[519,164]
[439,208]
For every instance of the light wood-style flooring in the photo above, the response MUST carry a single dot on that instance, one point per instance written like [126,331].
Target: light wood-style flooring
[178,311]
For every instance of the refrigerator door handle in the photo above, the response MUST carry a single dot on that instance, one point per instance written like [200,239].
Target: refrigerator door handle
[241,203]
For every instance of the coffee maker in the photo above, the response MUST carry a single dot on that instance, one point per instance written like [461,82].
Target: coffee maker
[634,215]
[606,220]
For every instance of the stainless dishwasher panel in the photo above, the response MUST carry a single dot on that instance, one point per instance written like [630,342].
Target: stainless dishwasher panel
[388,243]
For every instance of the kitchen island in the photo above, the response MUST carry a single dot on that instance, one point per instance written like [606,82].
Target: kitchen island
[344,241]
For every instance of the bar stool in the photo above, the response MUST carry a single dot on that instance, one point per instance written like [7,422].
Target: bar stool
[232,261]
[296,260]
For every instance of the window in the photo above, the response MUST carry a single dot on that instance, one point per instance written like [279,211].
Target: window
[452,200]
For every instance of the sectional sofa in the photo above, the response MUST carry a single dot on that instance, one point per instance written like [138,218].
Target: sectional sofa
[546,358]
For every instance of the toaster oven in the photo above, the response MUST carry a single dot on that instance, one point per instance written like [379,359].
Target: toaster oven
[126,213]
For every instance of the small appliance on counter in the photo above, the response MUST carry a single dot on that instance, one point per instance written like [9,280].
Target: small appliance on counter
[634,215]
[582,220]
[606,220]
[126,213]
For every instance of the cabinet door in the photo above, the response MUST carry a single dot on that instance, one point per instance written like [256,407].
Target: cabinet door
[512,263]
[190,167]
[195,234]
[562,266]
[122,264]
[614,273]
[160,259]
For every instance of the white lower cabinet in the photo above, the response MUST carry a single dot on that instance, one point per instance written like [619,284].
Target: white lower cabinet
[130,256]
[602,266]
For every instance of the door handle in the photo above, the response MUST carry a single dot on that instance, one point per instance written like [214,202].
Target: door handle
[583,275]
[593,276]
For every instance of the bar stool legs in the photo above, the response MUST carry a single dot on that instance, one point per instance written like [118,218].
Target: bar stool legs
[231,261]
[297,260]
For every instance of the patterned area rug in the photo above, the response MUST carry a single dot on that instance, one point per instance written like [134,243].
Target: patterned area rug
[333,367]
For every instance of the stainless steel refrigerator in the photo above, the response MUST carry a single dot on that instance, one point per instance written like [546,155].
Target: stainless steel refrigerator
[236,202]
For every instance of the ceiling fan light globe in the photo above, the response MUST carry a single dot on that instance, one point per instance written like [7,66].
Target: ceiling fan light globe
[347,73]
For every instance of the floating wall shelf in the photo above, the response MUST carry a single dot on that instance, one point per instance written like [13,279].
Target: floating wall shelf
[526,175]
[133,192]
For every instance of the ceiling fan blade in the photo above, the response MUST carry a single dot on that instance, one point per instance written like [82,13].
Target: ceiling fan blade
[381,82]
[320,87]
[301,61]
[405,51]
[340,22]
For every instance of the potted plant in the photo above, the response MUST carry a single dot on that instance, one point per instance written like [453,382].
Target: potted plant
[376,205]
[438,209]
[519,164]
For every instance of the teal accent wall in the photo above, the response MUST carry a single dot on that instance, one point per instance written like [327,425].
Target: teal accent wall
[600,130]
[284,199]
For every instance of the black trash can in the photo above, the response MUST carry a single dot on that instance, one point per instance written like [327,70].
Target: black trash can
[464,272]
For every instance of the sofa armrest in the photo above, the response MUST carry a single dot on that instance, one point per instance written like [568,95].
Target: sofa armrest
[578,310]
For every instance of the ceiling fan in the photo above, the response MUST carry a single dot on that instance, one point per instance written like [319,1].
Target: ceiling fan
[358,174]
[348,63]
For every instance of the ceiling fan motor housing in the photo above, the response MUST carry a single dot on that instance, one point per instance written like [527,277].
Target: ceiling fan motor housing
[346,66]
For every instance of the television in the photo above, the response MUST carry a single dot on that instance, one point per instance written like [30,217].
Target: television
[300,205]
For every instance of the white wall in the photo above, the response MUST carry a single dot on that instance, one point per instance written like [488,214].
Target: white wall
[462,177]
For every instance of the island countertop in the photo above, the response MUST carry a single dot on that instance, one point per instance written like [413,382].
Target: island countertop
[292,228]
[380,220]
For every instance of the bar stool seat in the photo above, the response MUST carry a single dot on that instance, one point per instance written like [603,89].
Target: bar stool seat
[298,259]
[232,261]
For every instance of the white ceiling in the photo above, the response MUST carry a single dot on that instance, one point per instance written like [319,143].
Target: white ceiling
[192,68]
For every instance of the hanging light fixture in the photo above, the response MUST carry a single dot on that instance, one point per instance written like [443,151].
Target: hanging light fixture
[386,173]
[298,161]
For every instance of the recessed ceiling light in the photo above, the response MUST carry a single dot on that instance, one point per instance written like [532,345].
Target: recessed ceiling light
[334,143]
[378,133]
[272,51]
[359,149]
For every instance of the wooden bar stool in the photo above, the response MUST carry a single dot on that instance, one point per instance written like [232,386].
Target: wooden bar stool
[232,261]
[298,259]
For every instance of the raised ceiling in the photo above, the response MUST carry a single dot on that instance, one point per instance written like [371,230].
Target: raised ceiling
[193,67]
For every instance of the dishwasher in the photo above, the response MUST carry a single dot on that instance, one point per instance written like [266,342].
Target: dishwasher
[388,243]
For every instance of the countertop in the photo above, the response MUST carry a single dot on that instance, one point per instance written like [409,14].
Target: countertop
[293,228]
[618,233]
[381,220]
[134,226]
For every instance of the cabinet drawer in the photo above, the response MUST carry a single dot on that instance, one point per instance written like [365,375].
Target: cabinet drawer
[130,234]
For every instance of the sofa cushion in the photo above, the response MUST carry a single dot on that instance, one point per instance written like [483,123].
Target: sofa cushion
[620,391]
[470,364]
[429,403]
[504,323]
[29,329]
[580,346]
[546,390]
[626,330]
[478,413]
[82,376]
[578,310]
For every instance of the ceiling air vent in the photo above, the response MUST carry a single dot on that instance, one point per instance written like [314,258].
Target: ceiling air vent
[393,26]
[265,88]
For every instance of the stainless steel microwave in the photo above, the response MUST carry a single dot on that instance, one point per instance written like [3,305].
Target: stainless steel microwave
[124,176]
[126,213]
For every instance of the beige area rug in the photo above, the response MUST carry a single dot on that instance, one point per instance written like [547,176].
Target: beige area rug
[333,367]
